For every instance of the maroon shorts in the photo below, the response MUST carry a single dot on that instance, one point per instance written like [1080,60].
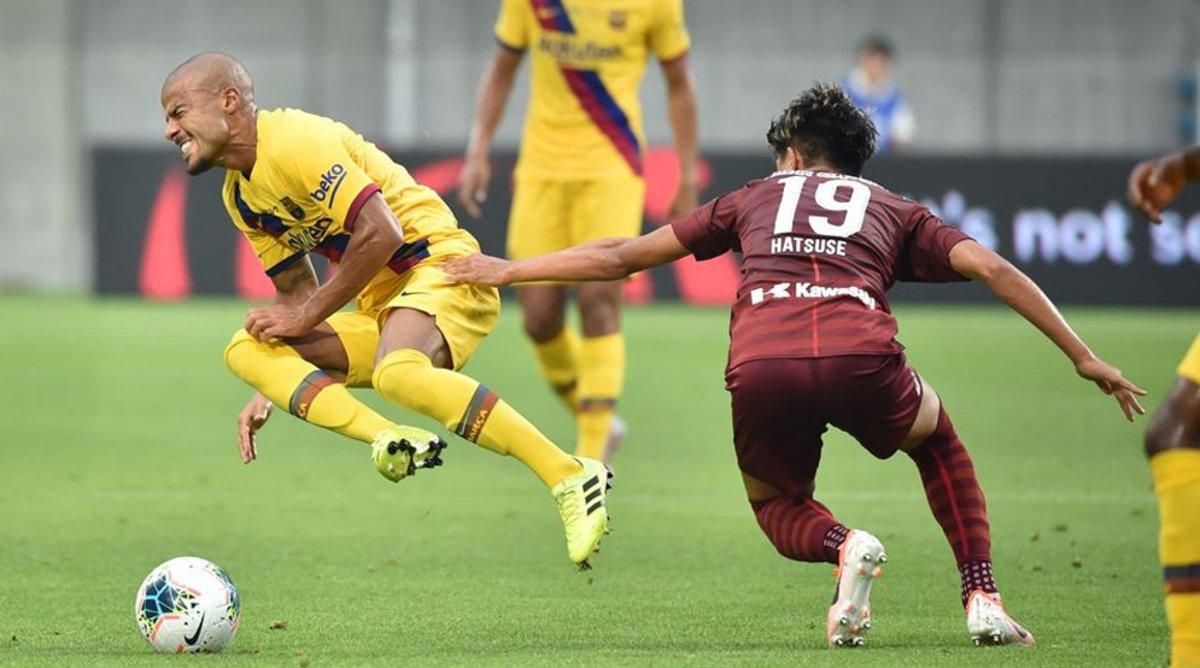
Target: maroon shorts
[781,407]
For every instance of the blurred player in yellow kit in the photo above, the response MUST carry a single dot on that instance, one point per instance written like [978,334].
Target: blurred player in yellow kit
[579,174]
[1173,437]
[298,183]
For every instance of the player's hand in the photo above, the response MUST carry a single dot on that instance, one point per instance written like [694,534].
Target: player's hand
[277,322]
[250,420]
[1156,183]
[479,269]
[473,185]
[1110,381]
[687,198]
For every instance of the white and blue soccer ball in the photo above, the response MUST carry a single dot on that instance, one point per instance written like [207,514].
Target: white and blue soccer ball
[188,604]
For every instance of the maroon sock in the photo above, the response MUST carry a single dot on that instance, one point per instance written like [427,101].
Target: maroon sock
[804,531]
[976,575]
[957,502]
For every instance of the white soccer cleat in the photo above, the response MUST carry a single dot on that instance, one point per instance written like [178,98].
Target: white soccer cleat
[859,564]
[989,624]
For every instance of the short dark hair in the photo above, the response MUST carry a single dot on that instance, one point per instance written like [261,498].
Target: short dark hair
[823,124]
[877,43]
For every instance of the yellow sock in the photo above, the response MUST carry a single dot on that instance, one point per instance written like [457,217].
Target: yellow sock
[558,360]
[1177,484]
[408,378]
[297,386]
[601,376]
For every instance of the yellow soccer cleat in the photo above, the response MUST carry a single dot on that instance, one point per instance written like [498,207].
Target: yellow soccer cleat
[581,504]
[400,451]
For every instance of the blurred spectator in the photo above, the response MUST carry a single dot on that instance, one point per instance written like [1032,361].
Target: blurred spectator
[871,87]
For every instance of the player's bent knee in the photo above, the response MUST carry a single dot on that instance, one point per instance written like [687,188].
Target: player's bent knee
[1164,432]
[542,327]
[398,378]
[943,433]
[239,354]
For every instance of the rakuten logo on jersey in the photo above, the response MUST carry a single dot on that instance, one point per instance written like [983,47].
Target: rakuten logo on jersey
[329,183]
[810,291]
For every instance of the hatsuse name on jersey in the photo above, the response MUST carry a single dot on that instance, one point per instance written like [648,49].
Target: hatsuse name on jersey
[808,245]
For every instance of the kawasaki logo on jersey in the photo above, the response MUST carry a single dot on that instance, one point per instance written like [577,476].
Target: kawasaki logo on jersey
[331,180]
[807,290]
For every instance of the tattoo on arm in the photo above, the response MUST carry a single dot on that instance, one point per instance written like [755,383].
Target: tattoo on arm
[294,284]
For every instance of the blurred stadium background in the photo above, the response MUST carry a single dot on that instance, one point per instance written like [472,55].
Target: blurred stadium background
[116,420]
[1021,80]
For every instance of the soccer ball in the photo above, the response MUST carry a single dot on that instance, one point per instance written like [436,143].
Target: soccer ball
[187,604]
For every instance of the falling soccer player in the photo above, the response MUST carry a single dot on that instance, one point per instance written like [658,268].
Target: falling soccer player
[296,183]
[812,338]
[1173,437]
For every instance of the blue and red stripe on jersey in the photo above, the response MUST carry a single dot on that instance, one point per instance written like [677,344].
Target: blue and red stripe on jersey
[266,222]
[604,111]
[408,256]
[589,89]
[552,16]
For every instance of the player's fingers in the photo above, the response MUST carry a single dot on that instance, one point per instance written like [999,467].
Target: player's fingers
[1128,385]
[1130,405]
[1124,407]
[243,441]
[472,208]
[1156,172]
[1137,184]
[464,198]
[253,447]
[1150,211]
[1104,386]
[272,331]
[259,328]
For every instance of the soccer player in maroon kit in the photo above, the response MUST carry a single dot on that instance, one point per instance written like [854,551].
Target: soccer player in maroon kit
[812,343]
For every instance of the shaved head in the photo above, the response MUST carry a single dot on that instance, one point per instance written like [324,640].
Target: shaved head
[213,71]
[208,104]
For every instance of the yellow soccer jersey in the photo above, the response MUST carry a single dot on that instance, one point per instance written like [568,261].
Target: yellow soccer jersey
[585,119]
[311,176]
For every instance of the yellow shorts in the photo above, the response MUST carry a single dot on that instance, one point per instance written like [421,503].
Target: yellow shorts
[465,315]
[547,216]
[1190,366]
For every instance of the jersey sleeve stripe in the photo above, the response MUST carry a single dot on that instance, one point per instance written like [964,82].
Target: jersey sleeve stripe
[604,111]
[285,263]
[359,201]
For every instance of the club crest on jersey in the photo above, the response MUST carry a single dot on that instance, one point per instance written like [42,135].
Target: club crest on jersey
[331,180]
[617,19]
[292,208]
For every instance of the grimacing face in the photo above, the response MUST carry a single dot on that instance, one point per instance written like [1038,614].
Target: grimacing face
[197,122]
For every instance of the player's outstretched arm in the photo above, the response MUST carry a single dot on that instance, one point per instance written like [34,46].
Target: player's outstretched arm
[1024,296]
[494,89]
[1156,183]
[376,237]
[602,260]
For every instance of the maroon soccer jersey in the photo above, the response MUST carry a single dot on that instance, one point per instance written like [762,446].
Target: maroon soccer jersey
[819,252]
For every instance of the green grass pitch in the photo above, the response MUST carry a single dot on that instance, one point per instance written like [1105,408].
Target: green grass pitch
[117,452]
